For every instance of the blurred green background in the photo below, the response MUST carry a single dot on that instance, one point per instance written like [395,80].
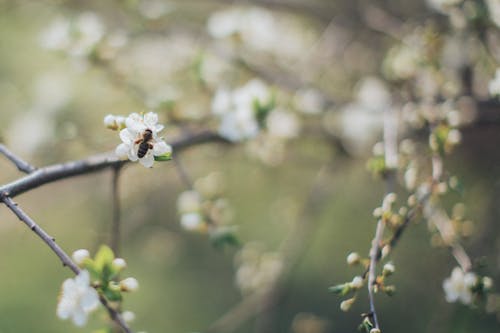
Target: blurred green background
[185,283]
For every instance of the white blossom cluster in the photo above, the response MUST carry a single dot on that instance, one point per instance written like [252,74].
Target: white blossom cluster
[260,30]
[238,113]
[77,37]
[204,202]
[133,136]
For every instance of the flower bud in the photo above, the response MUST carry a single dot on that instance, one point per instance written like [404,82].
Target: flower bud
[119,263]
[353,259]
[375,330]
[388,269]
[128,316]
[79,256]
[129,284]
[357,282]
[487,283]
[346,305]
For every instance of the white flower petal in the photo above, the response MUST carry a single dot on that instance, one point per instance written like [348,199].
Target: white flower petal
[122,150]
[127,136]
[150,119]
[160,148]
[89,300]
[79,317]
[132,154]
[135,123]
[64,308]
[147,160]
[158,128]
[83,279]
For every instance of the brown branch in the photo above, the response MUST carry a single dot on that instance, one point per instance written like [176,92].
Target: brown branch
[95,163]
[21,165]
[63,256]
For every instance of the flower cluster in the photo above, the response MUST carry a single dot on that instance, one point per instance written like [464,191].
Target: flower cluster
[82,37]
[260,30]
[462,286]
[204,209]
[140,140]
[98,278]
[77,37]
[241,111]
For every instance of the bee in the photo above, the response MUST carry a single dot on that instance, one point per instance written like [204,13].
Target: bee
[144,143]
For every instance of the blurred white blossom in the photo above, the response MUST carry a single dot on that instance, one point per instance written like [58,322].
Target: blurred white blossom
[77,37]
[458,287]
[261,30]
[237,109]
[78,299]
[282,124]
[309,101]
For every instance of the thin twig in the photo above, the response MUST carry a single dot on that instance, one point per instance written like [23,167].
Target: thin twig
[181,170]
[95,163]
[22,165]
[443,224]
[391,161]
[63,256]
[115,202]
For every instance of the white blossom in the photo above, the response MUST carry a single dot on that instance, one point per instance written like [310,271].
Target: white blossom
[128,316]
[119,263]
[282,124]
[236,109]
[78,299]
[458,286]
[79,256]
[188,202]
[357,282]
[78,37]
[309,101]
[192,221]
[353,258]
[132,136]
[129,284]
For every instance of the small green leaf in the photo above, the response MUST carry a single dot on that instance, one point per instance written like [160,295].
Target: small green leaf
[164,157]
[223,236]
[341,289]
[112,295]
[103,257]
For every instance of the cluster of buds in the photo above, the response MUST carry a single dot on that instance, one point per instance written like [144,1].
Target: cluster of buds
[99,277]
[352,287]
[203,209]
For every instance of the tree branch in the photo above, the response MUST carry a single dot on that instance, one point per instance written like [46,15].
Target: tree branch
[92,164]
[63,256]
[22,165]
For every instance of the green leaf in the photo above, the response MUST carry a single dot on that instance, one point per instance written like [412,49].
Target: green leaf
[113,295]
[341,289]
[223,236]
[103,257]
[164,157]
